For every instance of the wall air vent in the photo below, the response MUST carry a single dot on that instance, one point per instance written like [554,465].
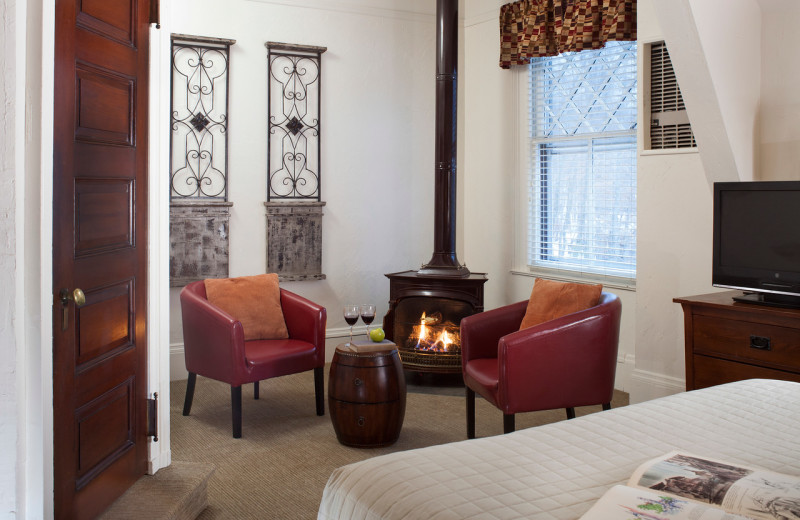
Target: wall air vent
[669,122]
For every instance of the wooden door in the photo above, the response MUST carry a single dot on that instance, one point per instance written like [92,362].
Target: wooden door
[99,247]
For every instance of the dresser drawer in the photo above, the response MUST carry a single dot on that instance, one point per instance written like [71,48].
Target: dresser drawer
[710,371]
[757,343]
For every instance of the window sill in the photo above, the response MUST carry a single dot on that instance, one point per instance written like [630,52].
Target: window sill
[669,151]
[561,276]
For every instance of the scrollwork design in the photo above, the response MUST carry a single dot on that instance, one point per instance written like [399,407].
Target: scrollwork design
[199,121]
[294,126]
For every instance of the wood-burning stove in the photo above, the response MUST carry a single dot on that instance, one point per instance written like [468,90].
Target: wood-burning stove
[426,306]
[424,317]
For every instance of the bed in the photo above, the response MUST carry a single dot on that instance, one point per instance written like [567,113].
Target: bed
[559,470]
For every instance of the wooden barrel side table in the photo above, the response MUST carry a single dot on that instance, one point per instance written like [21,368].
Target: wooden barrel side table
[367,397]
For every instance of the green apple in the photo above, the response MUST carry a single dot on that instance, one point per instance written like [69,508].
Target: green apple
[377,335]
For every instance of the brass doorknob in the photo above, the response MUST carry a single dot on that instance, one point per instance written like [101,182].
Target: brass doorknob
[77,296]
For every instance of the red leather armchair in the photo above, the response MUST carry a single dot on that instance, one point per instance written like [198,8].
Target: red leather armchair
[214,347]
[567,362]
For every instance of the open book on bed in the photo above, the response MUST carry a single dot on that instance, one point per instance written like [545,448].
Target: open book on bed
[679,486]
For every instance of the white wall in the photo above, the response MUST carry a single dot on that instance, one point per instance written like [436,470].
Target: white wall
[697,85]
[378,91]
[673,247]
[10,102]
[490,161]
[732,52]
[779,157]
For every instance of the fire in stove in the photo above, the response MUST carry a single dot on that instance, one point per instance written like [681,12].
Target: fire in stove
[432,334]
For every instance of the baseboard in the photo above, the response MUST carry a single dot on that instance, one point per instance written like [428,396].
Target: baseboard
[160,460]
[646,385]
[626,364]
[177,366]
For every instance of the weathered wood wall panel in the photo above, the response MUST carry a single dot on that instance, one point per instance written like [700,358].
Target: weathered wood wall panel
[198,241]
[294,240]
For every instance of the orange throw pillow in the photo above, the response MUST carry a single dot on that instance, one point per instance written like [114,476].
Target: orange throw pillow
[550,300]
[253,300]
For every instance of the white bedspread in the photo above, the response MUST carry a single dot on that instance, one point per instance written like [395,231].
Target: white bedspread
[559,470]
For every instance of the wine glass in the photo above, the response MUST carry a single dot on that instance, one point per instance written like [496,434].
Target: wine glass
[367,314]
[351,317]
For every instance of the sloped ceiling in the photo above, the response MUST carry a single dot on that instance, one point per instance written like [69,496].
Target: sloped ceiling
[716,56]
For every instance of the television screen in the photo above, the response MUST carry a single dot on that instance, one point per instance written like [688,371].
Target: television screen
[757,238]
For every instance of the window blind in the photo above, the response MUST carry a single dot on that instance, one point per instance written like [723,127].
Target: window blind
[582,214]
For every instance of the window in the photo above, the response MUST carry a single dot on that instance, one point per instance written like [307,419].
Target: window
[582,185]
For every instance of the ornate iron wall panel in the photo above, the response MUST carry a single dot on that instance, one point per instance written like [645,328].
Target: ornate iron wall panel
[199,210]
[293,142]
[199,118]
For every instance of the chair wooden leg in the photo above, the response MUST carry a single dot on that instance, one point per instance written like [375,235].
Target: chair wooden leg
[236,407]
[319,389]
[187,401]
[570,413]
[255,390]
[606,406]
[508,423]
[470,413]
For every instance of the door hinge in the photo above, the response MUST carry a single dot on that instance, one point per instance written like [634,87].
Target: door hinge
[152,417]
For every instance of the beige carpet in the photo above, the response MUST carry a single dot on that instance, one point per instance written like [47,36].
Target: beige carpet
[279,467]
[177,492]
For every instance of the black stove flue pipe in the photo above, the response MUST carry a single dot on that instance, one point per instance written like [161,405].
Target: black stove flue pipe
[444,261]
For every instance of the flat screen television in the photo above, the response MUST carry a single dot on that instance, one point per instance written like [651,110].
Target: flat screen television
[757,241]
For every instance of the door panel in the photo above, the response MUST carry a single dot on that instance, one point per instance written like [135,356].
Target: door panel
[104,323]
[99,230]
[104,210]
[105,430]
[104,102]
[113,20]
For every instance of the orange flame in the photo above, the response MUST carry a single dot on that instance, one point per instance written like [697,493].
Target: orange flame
[433,335]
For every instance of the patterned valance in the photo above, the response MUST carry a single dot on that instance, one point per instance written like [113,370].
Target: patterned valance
[535,28]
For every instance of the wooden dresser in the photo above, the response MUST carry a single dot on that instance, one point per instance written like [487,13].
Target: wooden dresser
[728,341]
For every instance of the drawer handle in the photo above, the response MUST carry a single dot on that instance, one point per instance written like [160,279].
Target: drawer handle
[361,420]
[760,343]
[358,382]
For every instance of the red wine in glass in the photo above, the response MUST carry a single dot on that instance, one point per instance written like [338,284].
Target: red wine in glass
[351,313]
[367,314]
